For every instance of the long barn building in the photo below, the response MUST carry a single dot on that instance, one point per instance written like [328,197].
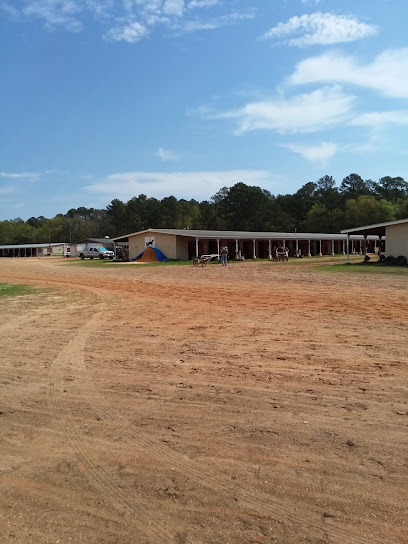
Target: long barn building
[185,244]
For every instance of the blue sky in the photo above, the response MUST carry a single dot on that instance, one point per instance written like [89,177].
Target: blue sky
[104,99]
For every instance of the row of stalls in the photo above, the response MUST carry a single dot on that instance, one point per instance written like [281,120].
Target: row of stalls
[35,250]
[185,244]
[263,249]
[60,249]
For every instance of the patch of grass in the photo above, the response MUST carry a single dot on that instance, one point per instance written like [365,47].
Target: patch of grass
[11,290]
[364,268]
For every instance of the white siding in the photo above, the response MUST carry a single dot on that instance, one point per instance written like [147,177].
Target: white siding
[397,240]
[165,242]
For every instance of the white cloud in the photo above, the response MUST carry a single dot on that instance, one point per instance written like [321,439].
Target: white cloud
[173,7]
[167,155]
[28,176]
[309,112]
[100,8]
[10,10]
[199,185]
[321,29]
[387,73]
[217,22]
[55,13]
[124,16]
[380,118]
[130,33]
[315,153]
[202,3]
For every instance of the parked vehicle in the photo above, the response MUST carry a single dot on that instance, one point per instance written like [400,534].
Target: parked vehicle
[96,253]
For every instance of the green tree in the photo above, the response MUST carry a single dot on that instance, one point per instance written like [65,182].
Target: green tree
[133,214]
[117,214]
[390,189]
[327,194]
[151,213]
[53,230]
[401,209]
[208,219]
[366,210]
[298,205]
[353,186]
[36,222]
[244,207]
[169,212]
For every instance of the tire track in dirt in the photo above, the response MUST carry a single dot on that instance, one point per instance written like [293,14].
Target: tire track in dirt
[256,503]
[216,480]
[141,516]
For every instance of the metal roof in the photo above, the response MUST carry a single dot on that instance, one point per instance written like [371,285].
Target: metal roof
[240,235]
[376,229]
[95,240]
[28,246]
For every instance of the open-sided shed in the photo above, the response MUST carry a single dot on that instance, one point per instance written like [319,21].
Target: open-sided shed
[395,233]
[34,250]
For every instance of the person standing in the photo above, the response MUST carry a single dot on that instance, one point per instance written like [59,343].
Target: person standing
[224,256]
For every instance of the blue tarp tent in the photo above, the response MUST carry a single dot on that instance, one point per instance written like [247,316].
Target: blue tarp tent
[160,256]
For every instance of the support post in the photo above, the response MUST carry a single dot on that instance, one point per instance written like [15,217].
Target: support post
[348,248]
[254,256]
[320,248]
[308,251]
[332,247]
[197,248]
[379,247]
[270,249]
[365,246]
[236,249]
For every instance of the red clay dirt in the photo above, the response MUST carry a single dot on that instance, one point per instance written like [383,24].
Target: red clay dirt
[253,403]
[148,256]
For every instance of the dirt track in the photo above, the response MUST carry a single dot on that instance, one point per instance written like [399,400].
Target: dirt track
[252,403]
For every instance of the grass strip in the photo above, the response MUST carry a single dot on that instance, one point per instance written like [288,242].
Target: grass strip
[364,268]
[12,290]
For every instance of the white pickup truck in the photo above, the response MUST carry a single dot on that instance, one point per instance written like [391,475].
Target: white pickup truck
[96,253]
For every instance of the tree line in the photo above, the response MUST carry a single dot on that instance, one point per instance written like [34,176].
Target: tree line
[319,206]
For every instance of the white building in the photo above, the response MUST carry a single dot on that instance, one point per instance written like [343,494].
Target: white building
[186,244]
[34,250]
[395,232]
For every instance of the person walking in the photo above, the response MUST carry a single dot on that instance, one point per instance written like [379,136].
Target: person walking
[224,256]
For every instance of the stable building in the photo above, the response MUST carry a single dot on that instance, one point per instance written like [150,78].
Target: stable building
[34,250]
[394,232]
[185,244]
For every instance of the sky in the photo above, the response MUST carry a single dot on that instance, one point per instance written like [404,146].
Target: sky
[104,99]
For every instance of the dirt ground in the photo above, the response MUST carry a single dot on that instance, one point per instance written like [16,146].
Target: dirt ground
[254,403]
